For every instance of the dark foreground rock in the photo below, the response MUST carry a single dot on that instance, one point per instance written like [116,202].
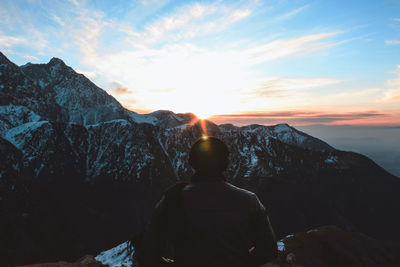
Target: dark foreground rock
[327,246]
[87,261]
[332,246]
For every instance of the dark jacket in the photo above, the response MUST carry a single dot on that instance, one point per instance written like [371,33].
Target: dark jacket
[210,223]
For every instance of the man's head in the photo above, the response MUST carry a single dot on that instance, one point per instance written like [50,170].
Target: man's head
[209,154]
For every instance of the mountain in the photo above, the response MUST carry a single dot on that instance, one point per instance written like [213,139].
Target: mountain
[80,174]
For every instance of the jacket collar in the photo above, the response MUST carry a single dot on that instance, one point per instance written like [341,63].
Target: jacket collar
[207,177]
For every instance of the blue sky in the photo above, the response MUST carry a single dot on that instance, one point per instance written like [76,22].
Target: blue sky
[302,62]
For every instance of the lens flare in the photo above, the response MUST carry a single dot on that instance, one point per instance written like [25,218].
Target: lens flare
[204,128]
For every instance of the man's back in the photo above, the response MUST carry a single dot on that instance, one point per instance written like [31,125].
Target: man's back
[227,221]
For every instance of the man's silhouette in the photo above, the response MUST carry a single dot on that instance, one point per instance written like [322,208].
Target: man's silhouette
[208,222]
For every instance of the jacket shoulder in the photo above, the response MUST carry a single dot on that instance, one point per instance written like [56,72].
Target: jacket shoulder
[240,192]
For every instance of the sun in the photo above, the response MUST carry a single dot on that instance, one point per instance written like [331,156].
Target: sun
[203,115]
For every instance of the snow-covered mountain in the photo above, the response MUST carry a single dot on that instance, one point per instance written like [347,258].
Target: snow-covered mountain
[68,145]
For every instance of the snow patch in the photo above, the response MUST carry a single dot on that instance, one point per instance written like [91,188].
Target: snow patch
[331,159]
[281,245]
[16,135]
[13,116]
[144,118]
[182,126]
[122,122]
[120,255]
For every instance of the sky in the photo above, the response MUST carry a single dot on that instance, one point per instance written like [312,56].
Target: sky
[301,62]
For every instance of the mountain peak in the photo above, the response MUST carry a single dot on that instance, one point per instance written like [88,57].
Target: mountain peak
[282,127]
[4,59]
[56,61]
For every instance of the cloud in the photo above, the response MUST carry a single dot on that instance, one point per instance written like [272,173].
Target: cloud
[292,13]
[190,22]
[117,88]
[299,117]
[159,30]
[284,87]
[392,42]
[237,15]
[9,41]
[150,2]
[305,114]
[298,46]
[19,33]
[396,19]
[392,92]
[121,91]
[273,93]
[74,2]
[58,20]
[91,75]
[31,57]
[360,93]
[392,95]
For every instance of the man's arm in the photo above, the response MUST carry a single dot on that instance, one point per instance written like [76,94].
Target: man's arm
[153,244]
[262,235]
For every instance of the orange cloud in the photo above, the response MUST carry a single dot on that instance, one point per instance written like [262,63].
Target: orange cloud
[118,89]
[304,117]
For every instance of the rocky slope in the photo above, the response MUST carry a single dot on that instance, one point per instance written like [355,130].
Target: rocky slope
[79,173]
[322,246]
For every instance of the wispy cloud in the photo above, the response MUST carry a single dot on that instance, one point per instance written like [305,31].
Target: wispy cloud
[284,87]
[393,87]
[157,31]
[305,114]
[292,13]
[9,41]
[299,117]
[297,46]
[197,19]
[31,57]
[74,2]
[392,42]
[19,26]
[360,93]
[237,15]
[91,75]
[58,20]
